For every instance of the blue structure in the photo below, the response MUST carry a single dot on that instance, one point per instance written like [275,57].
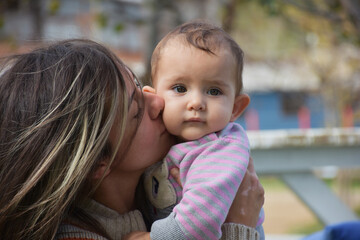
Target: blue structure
[342,231]
[279,110]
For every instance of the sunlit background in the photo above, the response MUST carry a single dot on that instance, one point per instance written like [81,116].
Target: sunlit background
[302,70]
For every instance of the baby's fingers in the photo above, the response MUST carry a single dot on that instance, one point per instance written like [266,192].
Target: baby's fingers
[175,173]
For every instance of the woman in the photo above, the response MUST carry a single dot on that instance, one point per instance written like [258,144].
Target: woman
[76,134]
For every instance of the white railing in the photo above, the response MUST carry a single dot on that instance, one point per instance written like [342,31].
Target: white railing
[293,155]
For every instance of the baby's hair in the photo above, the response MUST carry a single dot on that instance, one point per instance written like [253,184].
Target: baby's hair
[206,37]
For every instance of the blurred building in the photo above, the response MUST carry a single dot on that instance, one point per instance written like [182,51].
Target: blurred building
[121,25]
[288,95]
[130,27]
[283,95]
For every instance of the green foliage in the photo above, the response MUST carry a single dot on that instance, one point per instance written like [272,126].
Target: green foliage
[264,36]
[355,183]
[340,21]
[272,183]
[102,20]
[54,7]
[272,7]
[119,27]
[307,229]
[357,211]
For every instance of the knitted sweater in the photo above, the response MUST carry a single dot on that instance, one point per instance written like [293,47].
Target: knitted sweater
[118,225]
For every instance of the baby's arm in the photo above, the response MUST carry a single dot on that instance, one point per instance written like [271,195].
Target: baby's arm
[210,183]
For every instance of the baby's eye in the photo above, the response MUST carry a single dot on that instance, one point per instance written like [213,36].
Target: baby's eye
[179,89]
[214,92]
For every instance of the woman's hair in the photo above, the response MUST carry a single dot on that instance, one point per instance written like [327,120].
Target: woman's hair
[57,107]
[206,37]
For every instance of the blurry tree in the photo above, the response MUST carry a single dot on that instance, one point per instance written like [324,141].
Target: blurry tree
[164,17]
[7,5]
[333,29]
[168,14]
[343,15]
[54,6]
[322,33]
[228,17]
[35,9]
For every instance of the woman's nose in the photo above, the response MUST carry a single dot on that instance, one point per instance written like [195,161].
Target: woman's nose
[154,103]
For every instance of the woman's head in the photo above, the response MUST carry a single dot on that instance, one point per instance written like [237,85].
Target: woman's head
[58,106]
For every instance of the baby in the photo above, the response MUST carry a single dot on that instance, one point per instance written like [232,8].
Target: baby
[197,69]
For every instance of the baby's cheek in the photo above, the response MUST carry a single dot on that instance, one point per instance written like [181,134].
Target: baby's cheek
[171,122]
[171,116]
[220,119]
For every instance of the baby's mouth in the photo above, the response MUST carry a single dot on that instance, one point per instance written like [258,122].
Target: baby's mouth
[194,120]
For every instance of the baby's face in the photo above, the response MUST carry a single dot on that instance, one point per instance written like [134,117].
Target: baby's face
[198,89]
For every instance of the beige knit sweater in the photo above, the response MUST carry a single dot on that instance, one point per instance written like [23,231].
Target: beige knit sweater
[118,225]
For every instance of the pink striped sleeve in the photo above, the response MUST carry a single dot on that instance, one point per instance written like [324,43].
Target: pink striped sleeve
[211,173]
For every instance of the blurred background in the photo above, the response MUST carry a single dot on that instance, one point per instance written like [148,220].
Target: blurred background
[302,72]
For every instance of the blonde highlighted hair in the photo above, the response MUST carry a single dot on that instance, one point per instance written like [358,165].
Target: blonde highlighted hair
[57,107]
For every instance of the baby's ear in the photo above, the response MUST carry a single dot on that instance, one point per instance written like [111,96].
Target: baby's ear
[148,89]
[240,103]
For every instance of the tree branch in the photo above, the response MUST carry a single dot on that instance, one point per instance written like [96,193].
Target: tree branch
[315,11]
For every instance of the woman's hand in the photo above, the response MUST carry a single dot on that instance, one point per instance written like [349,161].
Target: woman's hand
[137,236]
[248,201]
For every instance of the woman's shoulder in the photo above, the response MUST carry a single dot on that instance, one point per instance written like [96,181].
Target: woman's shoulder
[71,232]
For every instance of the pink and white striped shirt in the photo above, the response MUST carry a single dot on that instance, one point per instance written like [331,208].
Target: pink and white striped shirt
[211,170]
